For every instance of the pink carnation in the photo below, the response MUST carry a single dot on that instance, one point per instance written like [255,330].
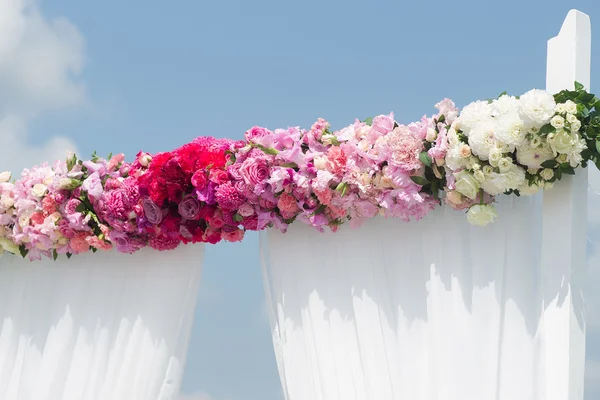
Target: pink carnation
[228,197]
[287,203]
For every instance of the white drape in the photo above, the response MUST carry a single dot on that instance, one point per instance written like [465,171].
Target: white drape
[104,326]
[430,310]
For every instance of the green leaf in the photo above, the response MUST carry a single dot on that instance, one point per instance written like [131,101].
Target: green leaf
[549,164]
[419,180]
[598,146]
[425,159]
[238,218]
[578,86]
[368,121]
[546,129]
[442,118]
[569,171]
[54,254]
[289,165]
[502,94]
[23,250]
[69,255]
[266,150]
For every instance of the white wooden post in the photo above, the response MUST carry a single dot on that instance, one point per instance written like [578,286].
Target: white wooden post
[564,231]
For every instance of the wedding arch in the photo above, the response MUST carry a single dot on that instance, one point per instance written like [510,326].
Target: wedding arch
[484,307]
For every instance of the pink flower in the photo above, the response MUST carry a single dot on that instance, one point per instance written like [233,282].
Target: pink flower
[218,176]
[199,179]
[228,197]
[246,210]
[93,185]
[287,203]
[97,243]
[37,218]
[189,208]
[164,242]
[115,161]
[337,160]
[79,243]
[254,171]
[403,149]
[49,205]
[256,132]
[152,212]
[383,123]
[233,236]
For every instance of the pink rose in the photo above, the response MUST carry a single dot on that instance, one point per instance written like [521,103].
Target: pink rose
[116,160]
[254,171]
[189,208]
[199,179]
[152,212]
[383,123]
[246,210]
[218,176]
[256,132]
[93,185]
[234,236]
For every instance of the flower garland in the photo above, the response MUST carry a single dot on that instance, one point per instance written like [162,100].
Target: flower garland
[217,189]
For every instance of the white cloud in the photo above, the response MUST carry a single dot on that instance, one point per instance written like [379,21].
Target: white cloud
[40,64]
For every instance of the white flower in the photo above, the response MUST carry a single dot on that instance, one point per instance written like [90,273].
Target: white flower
[533,156]
[561,159]
[574,156]
[495,157]
[547,174]
[320,163]
[535,141]
[505,104]
[466,184]
[481,214]
[39,189]
[482,139]
[145,159]
[453,159]
[504,164]
[511,130]
[571,107]
[479,175]
[431,134]
[561,142]
[498,183]
[528,190]
[452,137]
[537,107]
[561,108]
[6,202]
[473,114]
[487,169]
[548,185]
[4,176]
[557,122]
[575,126]
[8,245]
[571,118]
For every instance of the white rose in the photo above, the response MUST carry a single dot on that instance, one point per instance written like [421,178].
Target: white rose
[495,157]
[431,135]
[39,189]
[547,174]
[561,108]
[504,164]
[145,159]
[571,118]
[466,184]
[533,157]
[526,190]
[533,129]
[481,214]
[479,175]
[563,158]
[548,185]
[4,176]
[557,122]
[487,169]
[575,126]
[571,107]
[452,137]
[561,142]
[535,141]
[537,107]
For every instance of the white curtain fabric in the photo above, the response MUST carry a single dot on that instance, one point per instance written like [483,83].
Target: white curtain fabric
[429,310]
[104,326]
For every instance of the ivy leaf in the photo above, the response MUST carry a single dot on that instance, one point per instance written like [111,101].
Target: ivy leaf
[578,86]
[368,121]
[549,164]
[54,254]
[425,159]
[419,180]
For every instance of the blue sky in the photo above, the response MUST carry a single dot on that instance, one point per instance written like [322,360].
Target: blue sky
[122,76]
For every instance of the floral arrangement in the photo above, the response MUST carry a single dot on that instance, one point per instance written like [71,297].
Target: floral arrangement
[217,189]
